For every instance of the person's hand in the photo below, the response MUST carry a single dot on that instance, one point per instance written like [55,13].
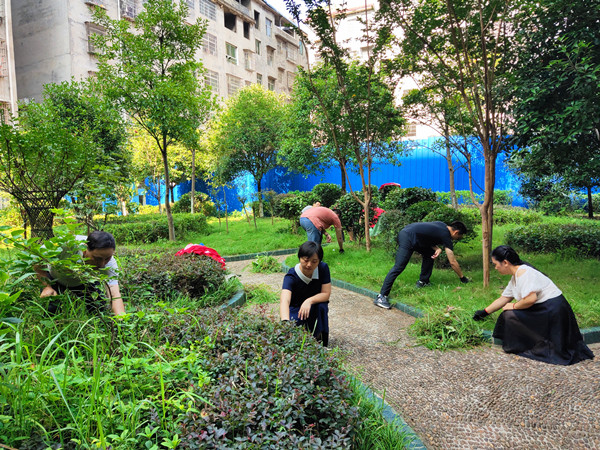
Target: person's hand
[48,291]
[508,306]
[304,311]
[438,252]
[341,251]
[464,280]
[480,314]
[328,238]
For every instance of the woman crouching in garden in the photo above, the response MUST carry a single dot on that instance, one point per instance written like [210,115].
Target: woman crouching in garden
[540,324]
[306,290]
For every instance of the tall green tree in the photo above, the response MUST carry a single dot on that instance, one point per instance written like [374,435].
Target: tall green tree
[246,135]
[463,44]
[556,79]
[356,119]
[149,68]
[60,146]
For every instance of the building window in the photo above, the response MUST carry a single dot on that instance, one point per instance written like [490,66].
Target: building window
[209,44]
[268,27]
[411,130]
[93,29]
[3,59]
[257,46]
[271,83]
[291,76]
[212,79]
[208,9]
[279,47]
[233,85]
[231,55]
[270,56]
[301,47]
[128,9]
[248,60]
[259,78]
[256,20]
[247,30]
[230,21]
[291,52]
[280,73]
[190,5]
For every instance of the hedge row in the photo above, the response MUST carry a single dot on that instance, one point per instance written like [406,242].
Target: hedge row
[150,228]
[551,237]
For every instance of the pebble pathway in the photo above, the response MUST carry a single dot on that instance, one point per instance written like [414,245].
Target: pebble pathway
[475,399]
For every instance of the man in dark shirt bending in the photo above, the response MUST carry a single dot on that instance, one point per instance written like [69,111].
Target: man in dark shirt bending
[425,238]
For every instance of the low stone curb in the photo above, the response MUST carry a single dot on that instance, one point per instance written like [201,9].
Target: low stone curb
[287,251]
[238,299]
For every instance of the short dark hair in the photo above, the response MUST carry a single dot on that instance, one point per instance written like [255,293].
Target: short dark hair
[100,239]
[459,226]
[310,248]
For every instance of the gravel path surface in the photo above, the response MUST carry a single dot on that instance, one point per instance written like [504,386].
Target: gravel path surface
[482,398]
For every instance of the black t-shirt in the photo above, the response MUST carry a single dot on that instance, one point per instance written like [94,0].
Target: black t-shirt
[428,234]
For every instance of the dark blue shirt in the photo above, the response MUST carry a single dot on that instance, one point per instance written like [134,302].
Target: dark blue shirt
[300,290]
[428,234]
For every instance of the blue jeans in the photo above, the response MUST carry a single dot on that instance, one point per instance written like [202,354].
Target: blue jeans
[312,232]
[405,251]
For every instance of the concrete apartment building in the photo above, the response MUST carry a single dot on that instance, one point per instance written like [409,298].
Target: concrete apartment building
[247,41]
[8,83]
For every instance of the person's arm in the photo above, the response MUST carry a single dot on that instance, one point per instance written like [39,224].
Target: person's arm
[437,251]
[497,304]
[42,275]
[524,303]
[327,236]
[321,297]
[284,304]
[114,294]
[454,263]
[340,238]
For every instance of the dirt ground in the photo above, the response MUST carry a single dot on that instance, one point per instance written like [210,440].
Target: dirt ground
[481,398]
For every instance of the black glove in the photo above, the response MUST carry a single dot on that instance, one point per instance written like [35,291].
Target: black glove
[480,314]
[464,280]
[341,251]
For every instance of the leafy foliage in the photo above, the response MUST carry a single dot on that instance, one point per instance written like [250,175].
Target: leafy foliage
[149,228]
[202,204]
[447,329]
[553,237]
[266,264]
[327,193]
[352,217]
[402,198]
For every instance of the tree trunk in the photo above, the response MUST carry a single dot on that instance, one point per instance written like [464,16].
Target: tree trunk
[226,215]
[193,191]
[450,170]
[261,211]
[367,197]
[159,197]
[168,183]
[343,182]
[590,205]
[487,214]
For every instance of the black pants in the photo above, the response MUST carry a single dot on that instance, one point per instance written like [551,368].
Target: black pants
[92,294]
[405,251]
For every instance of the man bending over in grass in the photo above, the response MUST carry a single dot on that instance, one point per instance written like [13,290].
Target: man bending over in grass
[425,238]
[98,254]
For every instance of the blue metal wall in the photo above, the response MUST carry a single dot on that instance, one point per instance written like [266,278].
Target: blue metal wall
[421,167]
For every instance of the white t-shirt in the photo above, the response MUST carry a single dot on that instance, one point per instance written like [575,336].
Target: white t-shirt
[531,281]
[70,280]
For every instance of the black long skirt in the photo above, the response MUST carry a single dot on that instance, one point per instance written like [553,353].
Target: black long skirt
[546,331]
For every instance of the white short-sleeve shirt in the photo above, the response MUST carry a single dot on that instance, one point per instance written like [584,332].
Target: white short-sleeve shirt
[531,281]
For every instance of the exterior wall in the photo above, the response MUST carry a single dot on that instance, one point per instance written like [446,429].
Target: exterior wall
[52,42]
[8,83]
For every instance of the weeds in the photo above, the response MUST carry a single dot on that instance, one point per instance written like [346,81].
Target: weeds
[266,264]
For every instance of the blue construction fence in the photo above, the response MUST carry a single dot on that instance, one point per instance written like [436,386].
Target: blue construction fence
[420,166]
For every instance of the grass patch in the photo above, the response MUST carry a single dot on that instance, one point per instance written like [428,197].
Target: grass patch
[266,264]
[258,294]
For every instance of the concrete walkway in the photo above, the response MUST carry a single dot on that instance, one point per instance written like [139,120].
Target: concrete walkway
[482,398]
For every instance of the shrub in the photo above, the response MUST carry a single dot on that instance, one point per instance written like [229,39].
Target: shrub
[383,193]
[416,212]
[151,228]
[290,205]
[202,204]
[327,193]
[151,275]
[266,264]
[448,215]
[504,198]
[148,209]
[553,237]
[514,215]
[390,223]
[447,329]
[401,199]
[274,386]
[352,215]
